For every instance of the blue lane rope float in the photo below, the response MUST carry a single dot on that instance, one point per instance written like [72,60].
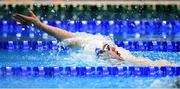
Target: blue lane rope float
[123,28]
[153,71]
[170,46]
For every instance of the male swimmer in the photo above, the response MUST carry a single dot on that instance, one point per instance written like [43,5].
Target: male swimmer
[102,48]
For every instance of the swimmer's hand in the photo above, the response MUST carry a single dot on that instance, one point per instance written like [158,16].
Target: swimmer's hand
[164,63]
[51,30]
[26,20]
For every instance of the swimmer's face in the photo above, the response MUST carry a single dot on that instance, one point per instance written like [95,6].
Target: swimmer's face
[110,51]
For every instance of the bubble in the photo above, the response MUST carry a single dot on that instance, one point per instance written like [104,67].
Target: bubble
[31,35]
[45,15]
[53,11]
[84,22]
[137,35]
[42,54]
[72,22]
[111,22]
[23,29]
[45,36]
[75,16]
[10,12]
[18,35]
[98,22]
[42,18]
[4,22]
[32,25]
[46,22]
[137,22]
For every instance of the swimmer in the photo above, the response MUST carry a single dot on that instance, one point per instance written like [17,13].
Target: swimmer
[102,48]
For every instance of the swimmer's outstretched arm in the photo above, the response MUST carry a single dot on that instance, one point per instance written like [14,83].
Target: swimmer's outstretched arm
[132,59]
[33,19]
[146,62]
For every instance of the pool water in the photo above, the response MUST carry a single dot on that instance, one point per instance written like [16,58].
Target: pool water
[76,57]
[88,82]
[14,56]
[67,58]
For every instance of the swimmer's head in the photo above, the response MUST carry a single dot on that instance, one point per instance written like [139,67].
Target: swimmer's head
[108,51]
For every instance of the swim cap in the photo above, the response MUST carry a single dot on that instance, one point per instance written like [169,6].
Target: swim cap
[93,45]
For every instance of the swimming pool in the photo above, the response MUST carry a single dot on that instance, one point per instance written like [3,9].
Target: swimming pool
[62,67]
[32,59]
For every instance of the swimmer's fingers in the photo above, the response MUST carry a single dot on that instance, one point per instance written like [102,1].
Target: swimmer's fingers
[19,21]
[26,20]
[23,17]
[23,20]
[164,63]
[14,18]
[31,13]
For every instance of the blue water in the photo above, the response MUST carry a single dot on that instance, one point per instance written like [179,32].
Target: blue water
[71,58]
[87,82]
[55,58]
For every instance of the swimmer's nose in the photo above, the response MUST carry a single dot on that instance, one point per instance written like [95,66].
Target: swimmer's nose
[113,49]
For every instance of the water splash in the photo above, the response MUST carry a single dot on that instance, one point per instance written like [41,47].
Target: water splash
[86,55]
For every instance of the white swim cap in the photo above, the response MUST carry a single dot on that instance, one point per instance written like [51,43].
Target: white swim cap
[93,44]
